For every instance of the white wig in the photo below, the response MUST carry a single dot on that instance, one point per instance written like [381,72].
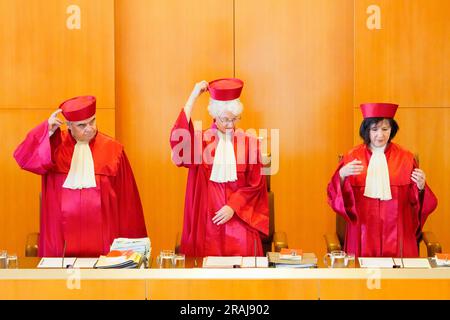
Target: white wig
[217,107]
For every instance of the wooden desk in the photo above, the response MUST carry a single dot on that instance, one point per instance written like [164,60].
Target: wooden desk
[197,283]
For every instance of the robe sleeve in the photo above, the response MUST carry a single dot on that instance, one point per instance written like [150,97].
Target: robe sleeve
[341,199]
[131,215]
[251,202]
[34,154]
[182,138]
[423,203]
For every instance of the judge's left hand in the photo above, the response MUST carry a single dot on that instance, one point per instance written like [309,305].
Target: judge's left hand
[418,176]
[223,215]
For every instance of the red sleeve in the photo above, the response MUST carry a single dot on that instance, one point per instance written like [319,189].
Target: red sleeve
[182,138]
[341,199]
[424,203]
[35,152]
[251,203]
[131,215]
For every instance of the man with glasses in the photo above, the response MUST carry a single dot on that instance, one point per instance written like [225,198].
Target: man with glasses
[226,206]
[89,195]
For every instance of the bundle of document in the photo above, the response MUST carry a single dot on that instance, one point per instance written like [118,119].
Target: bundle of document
[307,260]
[235,262]
[120,259]
[139,245]
[442,259]
[126,253]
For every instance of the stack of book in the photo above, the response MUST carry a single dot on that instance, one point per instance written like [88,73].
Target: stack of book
[119,259]
[126,253]
[139,245]
[442,259]
[292,258]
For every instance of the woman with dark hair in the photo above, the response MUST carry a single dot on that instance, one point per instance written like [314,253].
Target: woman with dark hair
[380,191]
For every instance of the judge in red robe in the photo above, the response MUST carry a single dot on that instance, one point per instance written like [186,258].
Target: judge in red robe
[380,191]
[226,204]
[89,195]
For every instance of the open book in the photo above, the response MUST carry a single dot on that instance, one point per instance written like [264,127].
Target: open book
[235,262]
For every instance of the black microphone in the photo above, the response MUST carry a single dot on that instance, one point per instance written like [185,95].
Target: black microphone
[63,256]
[64,253]
[401,257]
[255,252]
[401,251]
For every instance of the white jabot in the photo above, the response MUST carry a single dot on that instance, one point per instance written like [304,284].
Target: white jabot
[81,174]
[377,179]
[224,165]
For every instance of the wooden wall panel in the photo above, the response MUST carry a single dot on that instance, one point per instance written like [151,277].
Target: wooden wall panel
[407,60]
[42,63]
[200,289]
[297,60]
[58,290]
[162,49]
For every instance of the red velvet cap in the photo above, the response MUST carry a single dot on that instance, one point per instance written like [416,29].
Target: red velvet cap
[78,108]
[378,110]
[225,89]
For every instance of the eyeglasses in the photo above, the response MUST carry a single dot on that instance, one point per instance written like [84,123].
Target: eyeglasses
[226,120]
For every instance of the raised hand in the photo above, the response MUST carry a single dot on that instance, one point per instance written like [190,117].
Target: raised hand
[53,122]
[418,176]
[351,169]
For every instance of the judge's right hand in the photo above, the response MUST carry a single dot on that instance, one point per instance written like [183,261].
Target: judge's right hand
[351,169]
[199,88]
[53,122]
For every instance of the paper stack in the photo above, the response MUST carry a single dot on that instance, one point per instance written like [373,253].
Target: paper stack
[235,262]
[308,260]
[119,259]
[140,245]
[442,259]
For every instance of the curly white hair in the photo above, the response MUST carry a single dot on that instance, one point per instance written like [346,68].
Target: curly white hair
[217,107]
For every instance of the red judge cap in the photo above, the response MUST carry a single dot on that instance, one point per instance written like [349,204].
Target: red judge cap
[225,89]
[78,108]
[378,110]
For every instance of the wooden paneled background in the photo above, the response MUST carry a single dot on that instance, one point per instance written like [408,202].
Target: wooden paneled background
[307,65]
[43,63]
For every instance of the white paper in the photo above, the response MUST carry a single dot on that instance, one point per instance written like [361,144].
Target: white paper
[413,263]
[87,263]
[442,262]
[222,262]
[249,262]
[389,262]
[56,262]
[376,262]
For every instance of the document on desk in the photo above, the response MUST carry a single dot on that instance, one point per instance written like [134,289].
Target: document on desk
[85,263]
[415,263]
[391,262]
[56,262]
[249,262]
[222,262]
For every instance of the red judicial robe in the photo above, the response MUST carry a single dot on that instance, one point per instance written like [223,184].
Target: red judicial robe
[86,220]
[247,196]
[378,228]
